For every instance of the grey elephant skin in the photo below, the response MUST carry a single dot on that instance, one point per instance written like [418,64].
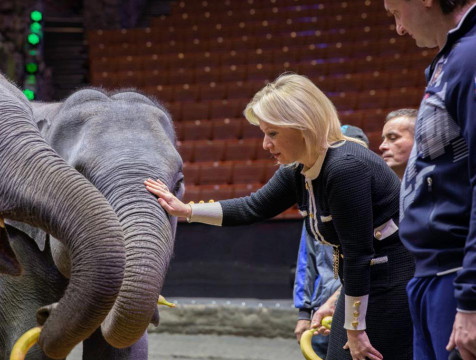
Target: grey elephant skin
[37,187]
[118,140]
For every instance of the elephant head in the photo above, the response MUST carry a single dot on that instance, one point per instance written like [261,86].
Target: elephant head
[117,141]
[38,187]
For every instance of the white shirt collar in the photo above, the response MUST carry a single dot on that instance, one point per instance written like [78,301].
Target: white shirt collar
[313,172]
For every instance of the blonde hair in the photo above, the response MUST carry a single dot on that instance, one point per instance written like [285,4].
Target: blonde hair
[294,101]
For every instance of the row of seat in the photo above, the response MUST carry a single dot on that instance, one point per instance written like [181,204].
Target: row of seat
[170,85]
[369,120]
[197,193]
[207,62]
[222,150]
[290,29]
[229,172]
[301,44]
[344,101]
[351,17]
[216,129]
[203,91]
[323,5]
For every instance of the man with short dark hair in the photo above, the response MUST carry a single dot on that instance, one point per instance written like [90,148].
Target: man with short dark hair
[397,139]
[438,194]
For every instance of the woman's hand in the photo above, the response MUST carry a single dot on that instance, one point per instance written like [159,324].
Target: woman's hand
[168,200]
[360,347]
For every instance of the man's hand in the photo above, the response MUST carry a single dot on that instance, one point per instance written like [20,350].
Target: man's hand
[301,326]
[326,309]
[464,335]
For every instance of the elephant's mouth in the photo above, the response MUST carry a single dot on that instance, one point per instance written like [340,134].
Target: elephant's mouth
[8,261]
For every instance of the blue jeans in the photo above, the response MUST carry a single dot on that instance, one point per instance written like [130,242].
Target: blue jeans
[433,309]
[319,345]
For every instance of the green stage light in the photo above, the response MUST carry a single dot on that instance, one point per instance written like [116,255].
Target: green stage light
[33,52]
[35,27]
[33,39]
[31,80]
[31,67]
[30,95]
[36,15]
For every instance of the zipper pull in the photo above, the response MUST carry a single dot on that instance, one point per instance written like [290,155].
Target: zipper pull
[429,182]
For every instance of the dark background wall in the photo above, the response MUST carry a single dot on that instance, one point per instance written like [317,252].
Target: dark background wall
[245,261]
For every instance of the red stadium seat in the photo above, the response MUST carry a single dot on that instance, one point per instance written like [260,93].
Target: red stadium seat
[249,171]
[241,149]
[195,110]
[191,172]
[241,190]
[186,150]
[197,130]
[217,172]
[227,128]
[216,192]
[206,150]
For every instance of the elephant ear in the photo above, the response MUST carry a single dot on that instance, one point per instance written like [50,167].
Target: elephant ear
[37,234]
[8,261]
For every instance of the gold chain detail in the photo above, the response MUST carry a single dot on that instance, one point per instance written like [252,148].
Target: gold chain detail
[335,255]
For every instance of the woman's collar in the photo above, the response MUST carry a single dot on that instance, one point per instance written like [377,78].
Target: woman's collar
[313,172]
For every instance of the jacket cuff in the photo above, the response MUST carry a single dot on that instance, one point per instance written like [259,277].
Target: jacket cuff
[355,312]
[466,305]
[304,314]
[209,213]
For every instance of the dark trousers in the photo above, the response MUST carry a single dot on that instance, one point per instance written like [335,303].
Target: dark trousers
[433,309]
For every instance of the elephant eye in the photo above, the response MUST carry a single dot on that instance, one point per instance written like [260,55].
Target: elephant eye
[178,186]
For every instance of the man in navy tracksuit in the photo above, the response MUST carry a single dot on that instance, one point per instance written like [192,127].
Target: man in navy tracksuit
[438,194]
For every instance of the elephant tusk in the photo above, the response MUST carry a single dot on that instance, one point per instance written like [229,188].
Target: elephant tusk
[163,301]
[24,343]
[306,338]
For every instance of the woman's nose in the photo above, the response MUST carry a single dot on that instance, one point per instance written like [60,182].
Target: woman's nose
[266,143]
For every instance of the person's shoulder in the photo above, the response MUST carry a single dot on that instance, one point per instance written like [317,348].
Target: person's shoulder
[349,150]
[347,155]
[353,156]
[461,56]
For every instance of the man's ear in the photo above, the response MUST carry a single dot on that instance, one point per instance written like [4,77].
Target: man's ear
[428,3]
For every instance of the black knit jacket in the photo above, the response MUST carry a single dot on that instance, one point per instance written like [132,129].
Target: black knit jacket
[355,187]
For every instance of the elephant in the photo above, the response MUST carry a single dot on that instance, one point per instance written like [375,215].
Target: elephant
[117,140]
[37,187]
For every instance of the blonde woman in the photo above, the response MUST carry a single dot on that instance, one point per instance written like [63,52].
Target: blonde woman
[350,199]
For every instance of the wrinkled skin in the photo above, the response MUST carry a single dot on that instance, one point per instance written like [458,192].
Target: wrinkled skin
[117,141]
[40,284]
[36,189]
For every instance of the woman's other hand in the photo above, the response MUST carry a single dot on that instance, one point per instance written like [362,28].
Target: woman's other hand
[360,348]
[168,200]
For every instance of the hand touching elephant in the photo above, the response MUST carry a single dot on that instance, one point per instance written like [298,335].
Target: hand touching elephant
[37,187]
[116,141]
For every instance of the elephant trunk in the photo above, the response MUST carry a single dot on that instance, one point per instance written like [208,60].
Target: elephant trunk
[149,240]
[39,188]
